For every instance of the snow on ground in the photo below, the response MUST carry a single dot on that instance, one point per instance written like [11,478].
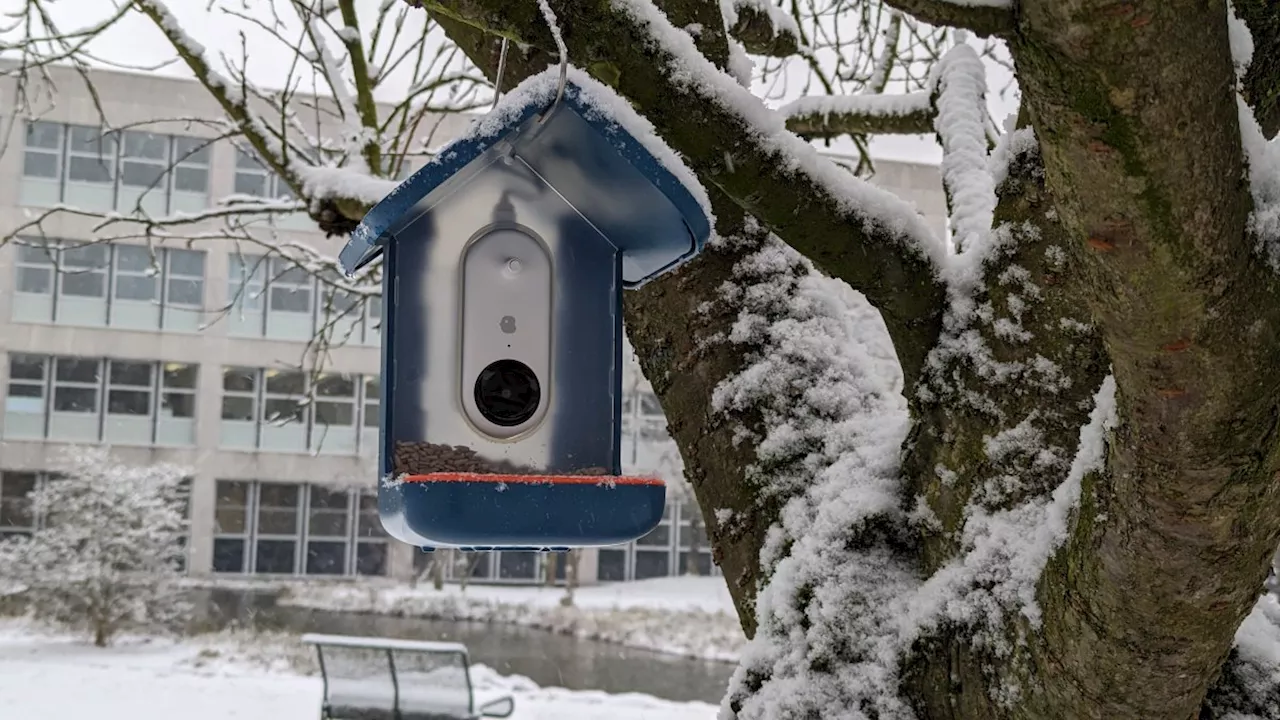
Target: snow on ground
[55,677]
[687,616]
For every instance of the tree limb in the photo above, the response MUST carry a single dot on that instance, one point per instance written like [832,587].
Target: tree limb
[982,20]
[827,117]
[732,142]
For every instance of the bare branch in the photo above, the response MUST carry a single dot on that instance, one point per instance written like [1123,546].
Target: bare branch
[763,28]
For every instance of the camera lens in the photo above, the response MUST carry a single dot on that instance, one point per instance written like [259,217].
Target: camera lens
[507,393]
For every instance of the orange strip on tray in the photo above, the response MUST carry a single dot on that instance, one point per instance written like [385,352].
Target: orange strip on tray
[536,479]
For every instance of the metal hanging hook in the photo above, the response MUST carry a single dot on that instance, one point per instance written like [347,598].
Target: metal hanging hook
[549,15]
[502,68]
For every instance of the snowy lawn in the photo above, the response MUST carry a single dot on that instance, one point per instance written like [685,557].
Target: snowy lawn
[54,677]
[688,616]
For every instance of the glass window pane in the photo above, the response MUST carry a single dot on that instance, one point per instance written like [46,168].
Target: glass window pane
[129,402]
[84,284]
[371,558]
[82,370]
[191,150]
[251,184]
[652,564]
[327,523]
[282,411]
[92,141]
[180,405]
[135,287]
[185,291]
[660,535]
[192,180]
[237,408]
[87,169]
[44,135]
[35,280]
[332,413]
[285,382]
[228,555]
[247,161]
[141,144]
[142,175]
[26,367]
[189,263]
[336,386]
[93,256]
[40,164]
[326,557]
[287,299]
[75,399]
[273,521]
[131,373]
[36,255]
[274,556]
[611,565]
[179,375]
[238,379]
[134,258]
[232,493]
[278,495]
[517,564]
[323,499]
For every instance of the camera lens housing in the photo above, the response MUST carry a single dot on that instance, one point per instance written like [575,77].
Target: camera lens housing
[507,393]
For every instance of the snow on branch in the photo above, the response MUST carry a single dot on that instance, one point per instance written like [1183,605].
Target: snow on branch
[1249,686]
[832,116]
[1262,155]
[762,27]
[982,17]
[971,192]
[1260,86]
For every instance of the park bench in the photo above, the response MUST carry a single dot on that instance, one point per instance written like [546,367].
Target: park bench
[368,678]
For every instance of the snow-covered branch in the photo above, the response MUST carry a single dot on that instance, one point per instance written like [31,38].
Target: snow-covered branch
[824,116]
[762,27]
[734,142]
[1261,85]
[983,17]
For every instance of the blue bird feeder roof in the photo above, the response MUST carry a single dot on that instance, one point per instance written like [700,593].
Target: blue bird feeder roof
[597,153]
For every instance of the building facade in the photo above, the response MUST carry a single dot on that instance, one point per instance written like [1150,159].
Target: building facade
[188,349]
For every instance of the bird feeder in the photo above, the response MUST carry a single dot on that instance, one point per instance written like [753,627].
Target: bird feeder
[504,262]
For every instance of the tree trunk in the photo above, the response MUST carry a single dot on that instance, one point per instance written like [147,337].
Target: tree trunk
[695,546]
[572,559]
[1123,254]
[438,561]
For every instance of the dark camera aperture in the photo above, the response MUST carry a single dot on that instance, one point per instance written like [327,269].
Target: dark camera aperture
[507,393]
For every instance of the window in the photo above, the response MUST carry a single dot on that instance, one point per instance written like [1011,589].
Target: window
[82,166]
[82,285]
[190,174]
[327,532]
[276,547]
[611,565]
[184,497]
[653,551]
[24,410]
[333,428]
[144,159]
[371,538]
[231,526]
[289,310]
[78,399]
[150,287]
[372,417]
[16,514]
[284,421]
[259,527]
[289,411]
[239,407]
[247,283]
[517,565]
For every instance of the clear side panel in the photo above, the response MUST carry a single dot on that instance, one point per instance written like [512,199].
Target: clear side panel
[432,684]
[359,682]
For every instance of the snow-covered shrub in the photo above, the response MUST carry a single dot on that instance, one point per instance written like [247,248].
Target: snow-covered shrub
[107,554]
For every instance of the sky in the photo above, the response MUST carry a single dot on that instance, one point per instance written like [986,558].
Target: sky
[218,25]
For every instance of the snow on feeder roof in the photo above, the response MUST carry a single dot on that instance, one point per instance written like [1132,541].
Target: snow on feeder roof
[505,259]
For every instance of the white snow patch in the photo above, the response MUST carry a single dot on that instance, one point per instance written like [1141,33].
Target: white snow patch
[1262,155]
